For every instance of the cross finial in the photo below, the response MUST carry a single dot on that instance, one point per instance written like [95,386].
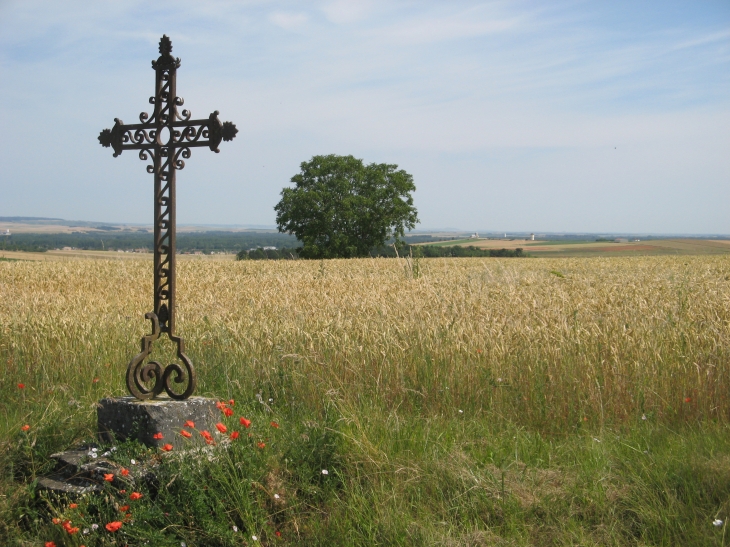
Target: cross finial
[165,45]
[166,60]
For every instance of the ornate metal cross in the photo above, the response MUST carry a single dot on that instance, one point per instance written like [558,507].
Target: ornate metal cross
[167,137]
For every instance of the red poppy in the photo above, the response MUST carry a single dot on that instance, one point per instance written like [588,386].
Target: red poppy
[21,386]
[73,530]
[157,436]
[231,402]
[108,477]
[124,508]
[228,412]
[50,544]
[26,427]
[56,521]
[122,491]
[134,496]
[113,526]
[190,424]
[234,435]
[167,447]
[220,427]
[186,433]
[274,425]
[261,445]
[688,399]
[277,534]
[125,472]
[245,422]
[220,405]
[206,434]
[95,380]
[73,505]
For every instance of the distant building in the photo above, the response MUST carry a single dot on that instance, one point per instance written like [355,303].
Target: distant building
[532,237]
[475,235]
[7,232]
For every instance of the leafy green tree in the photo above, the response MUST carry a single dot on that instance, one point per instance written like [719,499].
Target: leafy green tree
[341,208]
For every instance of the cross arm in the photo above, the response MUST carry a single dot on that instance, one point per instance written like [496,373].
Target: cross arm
[140,136]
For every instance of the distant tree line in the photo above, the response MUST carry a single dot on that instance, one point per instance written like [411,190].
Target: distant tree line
[419,251]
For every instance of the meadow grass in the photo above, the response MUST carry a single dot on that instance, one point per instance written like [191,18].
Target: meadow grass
[482,402]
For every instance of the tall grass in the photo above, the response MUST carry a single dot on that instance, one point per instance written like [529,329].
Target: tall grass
[483,400]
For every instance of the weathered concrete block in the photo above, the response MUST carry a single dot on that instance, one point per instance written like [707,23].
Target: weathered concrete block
[127,418]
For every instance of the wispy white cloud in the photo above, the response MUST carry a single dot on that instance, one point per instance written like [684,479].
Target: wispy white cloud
[288,20]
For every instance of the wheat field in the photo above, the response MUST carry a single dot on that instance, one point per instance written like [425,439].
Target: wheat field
[551,340]
[455,401]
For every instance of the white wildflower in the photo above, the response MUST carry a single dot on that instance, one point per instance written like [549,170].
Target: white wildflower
[235,528]
[461,411]
[643,416]
[255,538]
[717,522]
[276,496]
[86,530]
[133,462]
[325,472]
[94,526]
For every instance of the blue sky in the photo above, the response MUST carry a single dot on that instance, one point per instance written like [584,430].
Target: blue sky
[512,116]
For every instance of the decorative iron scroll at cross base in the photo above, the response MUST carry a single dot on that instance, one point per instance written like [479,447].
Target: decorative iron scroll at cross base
[166,137]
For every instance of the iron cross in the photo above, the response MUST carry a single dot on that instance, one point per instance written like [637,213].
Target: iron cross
[166,137]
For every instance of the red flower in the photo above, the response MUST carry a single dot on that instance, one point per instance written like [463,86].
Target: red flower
[26,427]
[190,424]
[21,386]
[122,491]
[73,505]
[124,508]
[261,445]
[231,402]
[688,399]
[134,496]
[125,472]
[95,380]
[274,425]
[277,534]
[73,530]
[186,433]
[56,521]
[220,405]
[479,351]
[245,422]
[157,436]
[206,434]
[234,435]
[113,526]
[228,412]
[167,447]
[220,427]
[50,544]
[108,477]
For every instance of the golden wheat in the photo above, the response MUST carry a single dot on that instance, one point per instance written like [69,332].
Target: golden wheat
[539,340]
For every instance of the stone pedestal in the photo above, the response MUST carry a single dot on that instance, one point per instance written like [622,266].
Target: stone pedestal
[127,418]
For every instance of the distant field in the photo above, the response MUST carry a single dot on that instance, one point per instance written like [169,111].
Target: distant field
[101,255]
[559,249]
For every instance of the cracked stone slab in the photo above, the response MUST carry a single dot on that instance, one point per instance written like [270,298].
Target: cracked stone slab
[61,485]
[128,418]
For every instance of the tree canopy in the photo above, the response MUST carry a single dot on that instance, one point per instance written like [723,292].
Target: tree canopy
[341,208]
